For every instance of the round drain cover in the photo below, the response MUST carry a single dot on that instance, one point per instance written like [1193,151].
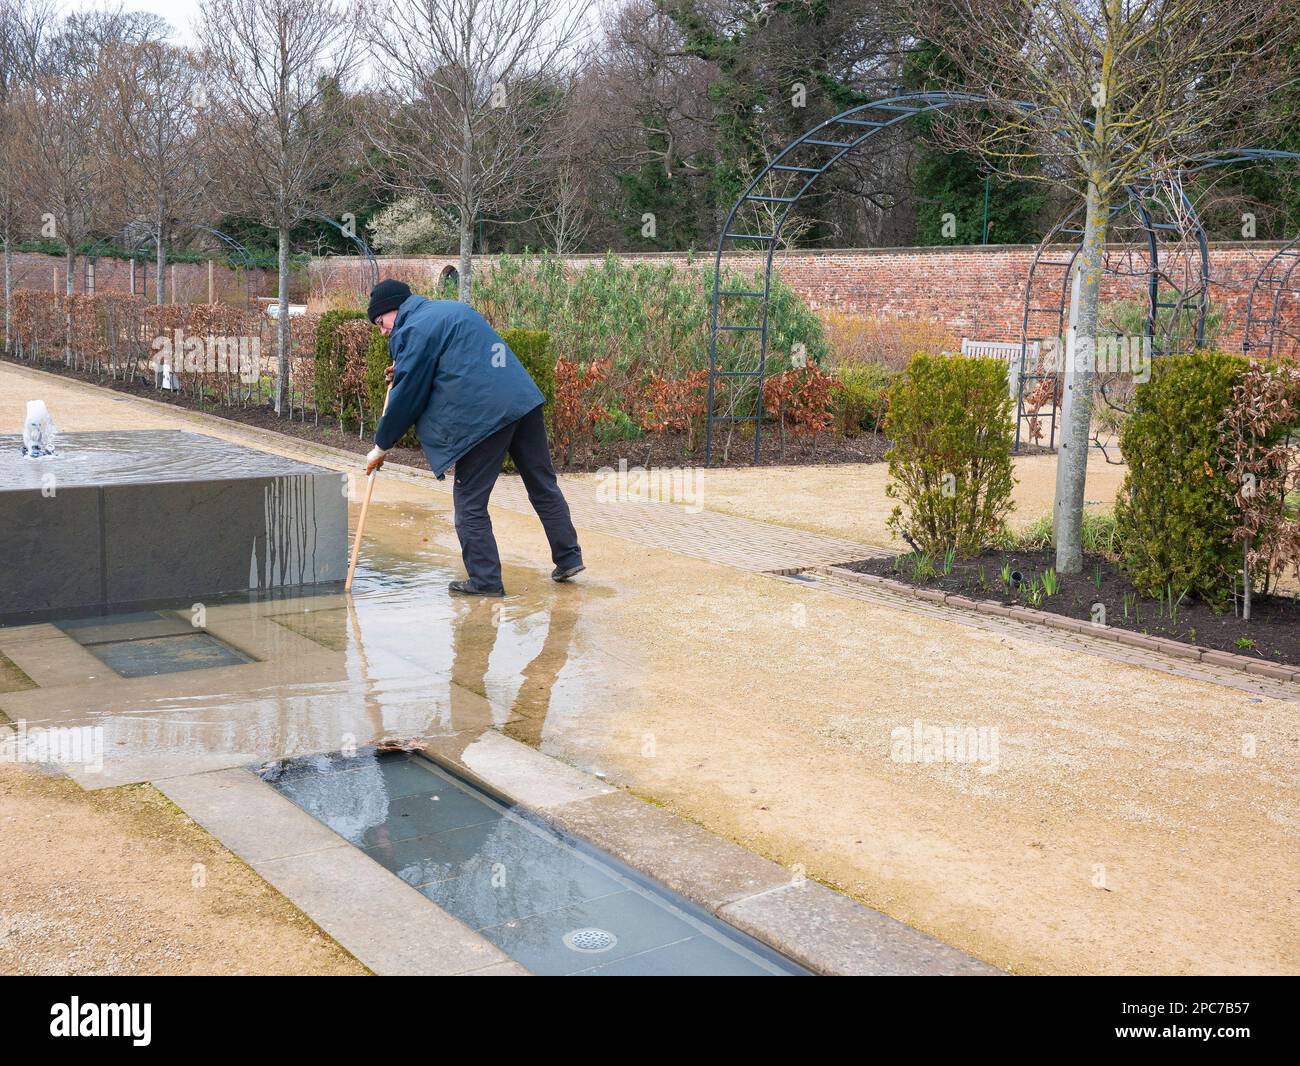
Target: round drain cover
[590,941]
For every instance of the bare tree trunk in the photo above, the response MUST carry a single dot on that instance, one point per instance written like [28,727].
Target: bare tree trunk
[69,287]
[282,350]
[466,259]
[1079,381]
[161,267]
[9,295]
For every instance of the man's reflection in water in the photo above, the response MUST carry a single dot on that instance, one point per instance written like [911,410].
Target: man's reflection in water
[533,701]
[476,631]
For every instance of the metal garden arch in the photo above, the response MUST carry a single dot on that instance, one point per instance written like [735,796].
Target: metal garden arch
[834,138]
[1261,329]
[829,141]
[829,145]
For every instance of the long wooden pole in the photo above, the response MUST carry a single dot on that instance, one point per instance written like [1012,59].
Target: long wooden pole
[365,507]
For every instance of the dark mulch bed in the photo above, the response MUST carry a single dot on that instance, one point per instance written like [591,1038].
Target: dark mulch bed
[655,450]
[1273,631]
[669,450]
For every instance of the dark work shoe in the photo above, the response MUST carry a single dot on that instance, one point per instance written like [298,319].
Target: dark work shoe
[563,573]
[464,588]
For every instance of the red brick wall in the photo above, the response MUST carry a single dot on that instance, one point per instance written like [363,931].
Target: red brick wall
[977,292]
[33,270]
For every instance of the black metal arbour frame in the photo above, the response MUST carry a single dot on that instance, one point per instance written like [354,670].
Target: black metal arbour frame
[353,233]
[1138,202]
[830,141]
[1276,272]
[246,258]
[894,110]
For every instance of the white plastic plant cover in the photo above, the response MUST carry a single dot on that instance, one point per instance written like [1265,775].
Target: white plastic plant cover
[38,430]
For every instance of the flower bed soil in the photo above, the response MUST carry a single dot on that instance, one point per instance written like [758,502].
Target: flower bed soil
[1272,634]
[654,450]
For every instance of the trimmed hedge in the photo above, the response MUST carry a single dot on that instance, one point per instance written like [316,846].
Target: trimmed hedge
[329,362]
[533,347]
[1176,514]
[951,429]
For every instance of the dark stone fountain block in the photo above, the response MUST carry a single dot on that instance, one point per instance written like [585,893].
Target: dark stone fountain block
[142,516]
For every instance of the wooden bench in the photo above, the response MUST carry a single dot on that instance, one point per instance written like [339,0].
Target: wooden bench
[1009,351]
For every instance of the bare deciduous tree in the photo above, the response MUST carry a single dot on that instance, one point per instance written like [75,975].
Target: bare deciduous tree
[475,86]
[58,164]
[23,24]
[155,94]
[276,71]
[1097,95]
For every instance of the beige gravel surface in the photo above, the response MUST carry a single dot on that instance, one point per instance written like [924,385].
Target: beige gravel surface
[1131,821]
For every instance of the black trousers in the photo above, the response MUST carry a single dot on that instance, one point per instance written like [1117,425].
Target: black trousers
[477,470]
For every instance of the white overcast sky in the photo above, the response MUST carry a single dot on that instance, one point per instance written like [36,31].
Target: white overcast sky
[182,14]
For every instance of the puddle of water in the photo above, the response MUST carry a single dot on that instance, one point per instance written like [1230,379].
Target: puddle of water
[551,902]
[248,678]
[129,457]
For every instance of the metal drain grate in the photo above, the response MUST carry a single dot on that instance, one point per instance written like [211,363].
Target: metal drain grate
[590,941]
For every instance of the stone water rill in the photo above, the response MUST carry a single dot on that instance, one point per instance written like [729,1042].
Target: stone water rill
[140,516]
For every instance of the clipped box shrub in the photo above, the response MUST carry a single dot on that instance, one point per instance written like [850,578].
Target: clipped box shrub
[533,347]
[1175,516]
[951,430]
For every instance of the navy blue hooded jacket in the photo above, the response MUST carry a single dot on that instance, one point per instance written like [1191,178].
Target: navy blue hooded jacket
[454,379]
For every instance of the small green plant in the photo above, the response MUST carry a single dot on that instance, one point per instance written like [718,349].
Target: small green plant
[1096,578]
[1174,605]
[1051,583]
[617,425]
[922,566]
[1128,598]
[1245,643]
[983,582]
[1034,591]
[1006,572]
[1037,535]
[949,558]
[861,397]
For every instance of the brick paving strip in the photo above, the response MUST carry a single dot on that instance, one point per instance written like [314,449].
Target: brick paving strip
[800,556]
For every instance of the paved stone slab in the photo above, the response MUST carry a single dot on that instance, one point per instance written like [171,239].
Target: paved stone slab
[382,921]
[704,868]
[247,816]
[499,969]
[831,934]
[526,775]
[376,916]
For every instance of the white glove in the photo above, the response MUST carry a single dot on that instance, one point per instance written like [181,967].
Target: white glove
[375,458]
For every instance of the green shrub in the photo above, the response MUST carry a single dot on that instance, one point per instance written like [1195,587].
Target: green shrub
[862,397]
[951,430]
[1175,516]
[642,316]
[617,425]
[377,360]
[533,347]
[329,362]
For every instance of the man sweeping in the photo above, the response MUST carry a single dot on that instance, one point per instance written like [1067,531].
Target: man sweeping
[472,403]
